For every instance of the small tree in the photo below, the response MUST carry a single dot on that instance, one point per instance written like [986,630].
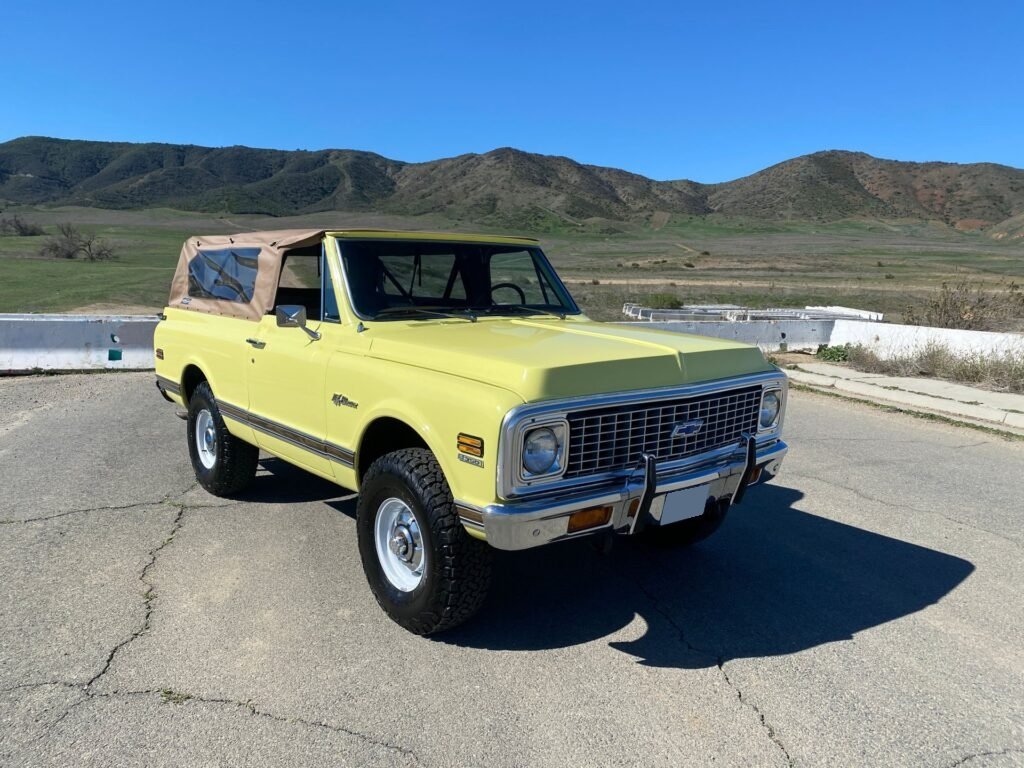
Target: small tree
[71,243]
[19,227]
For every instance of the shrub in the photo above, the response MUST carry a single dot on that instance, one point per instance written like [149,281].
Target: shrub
[595,281]
[689,264]
[836,354]
[970,307]
[70,243]
[890,276]
[663,301]
[18,227]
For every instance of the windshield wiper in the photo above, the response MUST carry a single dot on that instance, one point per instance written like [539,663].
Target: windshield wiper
[454,314]
[521,308]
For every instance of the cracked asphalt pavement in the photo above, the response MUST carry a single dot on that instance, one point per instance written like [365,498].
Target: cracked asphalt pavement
[863,609]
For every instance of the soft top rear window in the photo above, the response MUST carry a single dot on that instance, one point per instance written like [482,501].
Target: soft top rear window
[228,274]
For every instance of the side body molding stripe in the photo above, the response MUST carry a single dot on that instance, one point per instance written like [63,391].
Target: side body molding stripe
[309,443]
[166,385]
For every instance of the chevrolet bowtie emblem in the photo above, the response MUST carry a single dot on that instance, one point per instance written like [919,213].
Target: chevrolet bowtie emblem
[687,428]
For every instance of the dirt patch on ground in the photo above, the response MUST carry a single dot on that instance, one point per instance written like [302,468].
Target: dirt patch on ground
[969,225]
[784,359]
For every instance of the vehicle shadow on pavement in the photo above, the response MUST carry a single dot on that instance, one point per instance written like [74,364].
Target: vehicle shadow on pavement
[278,482]
[773,580]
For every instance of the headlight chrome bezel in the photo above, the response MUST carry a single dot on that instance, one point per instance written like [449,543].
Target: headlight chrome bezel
[777,392]
[560,429]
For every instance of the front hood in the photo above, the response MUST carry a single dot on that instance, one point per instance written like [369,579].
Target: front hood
[547,358]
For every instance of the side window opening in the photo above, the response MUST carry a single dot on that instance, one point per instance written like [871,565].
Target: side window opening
[300,282]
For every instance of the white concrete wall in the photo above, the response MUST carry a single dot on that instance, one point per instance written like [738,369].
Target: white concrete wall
[867,314]
[769,335]
[75,342]
[889,340]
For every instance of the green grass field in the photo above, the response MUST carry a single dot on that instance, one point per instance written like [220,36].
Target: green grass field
[876,265]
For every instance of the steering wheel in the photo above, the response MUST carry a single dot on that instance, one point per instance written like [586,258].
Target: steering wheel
[514,287]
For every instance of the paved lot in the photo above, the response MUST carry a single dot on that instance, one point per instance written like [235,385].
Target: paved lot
[863,610]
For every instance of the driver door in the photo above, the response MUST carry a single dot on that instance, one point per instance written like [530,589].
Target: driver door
[288,369]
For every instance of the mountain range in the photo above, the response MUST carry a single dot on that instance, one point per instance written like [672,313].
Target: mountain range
[505,186]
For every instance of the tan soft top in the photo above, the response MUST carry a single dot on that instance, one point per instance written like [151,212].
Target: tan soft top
[237,275]
[247,251]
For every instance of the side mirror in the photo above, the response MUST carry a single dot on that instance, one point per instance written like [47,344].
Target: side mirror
[293,316]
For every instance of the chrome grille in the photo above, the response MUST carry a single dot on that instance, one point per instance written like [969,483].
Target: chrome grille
[609,439]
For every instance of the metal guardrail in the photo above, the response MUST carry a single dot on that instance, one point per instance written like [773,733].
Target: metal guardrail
[75,342]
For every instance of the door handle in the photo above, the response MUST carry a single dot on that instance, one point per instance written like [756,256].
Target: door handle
[256,343]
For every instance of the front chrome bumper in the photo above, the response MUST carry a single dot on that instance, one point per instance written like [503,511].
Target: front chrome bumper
[532,522]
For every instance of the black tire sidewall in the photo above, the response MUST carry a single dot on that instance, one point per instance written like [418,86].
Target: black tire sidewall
[202,399]
[404,606]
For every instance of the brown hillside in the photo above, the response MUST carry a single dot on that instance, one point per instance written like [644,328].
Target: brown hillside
[505,186]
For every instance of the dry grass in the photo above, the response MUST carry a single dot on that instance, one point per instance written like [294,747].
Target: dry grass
[1002,372]
[971,307]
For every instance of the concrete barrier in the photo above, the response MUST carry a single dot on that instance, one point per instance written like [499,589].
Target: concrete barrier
[889,340]
[886,340]
[867,314]
[769,335]
[75,342]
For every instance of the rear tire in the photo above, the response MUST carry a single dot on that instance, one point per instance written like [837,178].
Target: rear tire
[425,571]
[224,464]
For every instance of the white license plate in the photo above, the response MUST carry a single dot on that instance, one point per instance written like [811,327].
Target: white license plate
[684,504]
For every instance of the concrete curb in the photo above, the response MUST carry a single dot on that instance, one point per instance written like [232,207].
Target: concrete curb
[860,389]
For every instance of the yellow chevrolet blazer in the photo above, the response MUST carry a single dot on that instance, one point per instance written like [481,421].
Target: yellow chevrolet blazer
[454,383]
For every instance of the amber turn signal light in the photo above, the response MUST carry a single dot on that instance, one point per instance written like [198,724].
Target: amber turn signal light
[592,517]
[474,446]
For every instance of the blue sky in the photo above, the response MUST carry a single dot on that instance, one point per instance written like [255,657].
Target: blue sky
[708,91]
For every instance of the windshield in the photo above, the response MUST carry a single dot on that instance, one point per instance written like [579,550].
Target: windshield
[399,279]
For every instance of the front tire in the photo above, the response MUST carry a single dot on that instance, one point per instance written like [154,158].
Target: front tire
[224,465]
[425,571]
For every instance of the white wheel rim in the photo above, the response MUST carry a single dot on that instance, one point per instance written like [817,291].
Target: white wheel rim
[206,439]
[399,543]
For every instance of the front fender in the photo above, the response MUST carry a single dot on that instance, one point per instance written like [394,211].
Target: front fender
[438,408]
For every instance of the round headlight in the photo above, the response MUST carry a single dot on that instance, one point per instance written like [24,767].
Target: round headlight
[769,409]
[540,451]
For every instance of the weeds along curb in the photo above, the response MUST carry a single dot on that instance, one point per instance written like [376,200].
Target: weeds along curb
[924,415]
